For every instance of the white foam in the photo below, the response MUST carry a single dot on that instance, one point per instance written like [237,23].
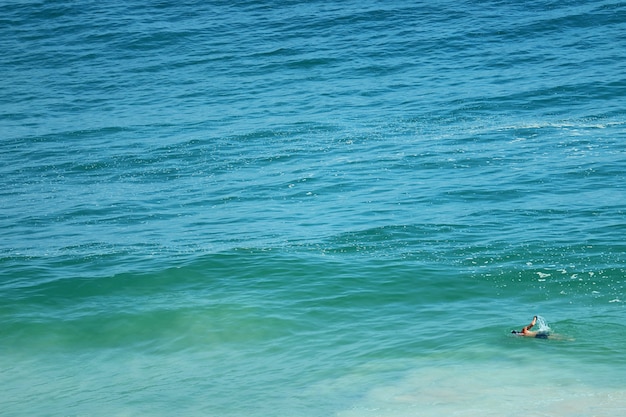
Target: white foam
[542,325]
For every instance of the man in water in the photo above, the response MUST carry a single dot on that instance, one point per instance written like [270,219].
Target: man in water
[526,331]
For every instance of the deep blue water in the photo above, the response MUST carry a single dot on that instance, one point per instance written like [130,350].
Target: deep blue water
[263,208]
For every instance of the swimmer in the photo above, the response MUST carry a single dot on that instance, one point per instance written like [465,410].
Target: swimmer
[526,331]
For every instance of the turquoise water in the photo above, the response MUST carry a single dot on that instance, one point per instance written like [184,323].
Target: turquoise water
[342,209]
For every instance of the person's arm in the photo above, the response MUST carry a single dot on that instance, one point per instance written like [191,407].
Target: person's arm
[532,323]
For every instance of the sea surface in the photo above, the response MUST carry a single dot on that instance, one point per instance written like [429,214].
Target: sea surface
[312,209]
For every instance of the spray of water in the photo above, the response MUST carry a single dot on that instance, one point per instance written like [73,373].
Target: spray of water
[542,325]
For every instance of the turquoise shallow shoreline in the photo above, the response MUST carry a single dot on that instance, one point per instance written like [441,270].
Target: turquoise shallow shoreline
[337,209]
[346,334]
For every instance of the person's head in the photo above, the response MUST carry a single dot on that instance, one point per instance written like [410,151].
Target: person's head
[514,331]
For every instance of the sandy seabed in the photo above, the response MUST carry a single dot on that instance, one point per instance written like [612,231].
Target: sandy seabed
[470,390]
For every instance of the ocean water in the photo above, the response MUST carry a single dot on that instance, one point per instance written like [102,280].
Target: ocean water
[311,209]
